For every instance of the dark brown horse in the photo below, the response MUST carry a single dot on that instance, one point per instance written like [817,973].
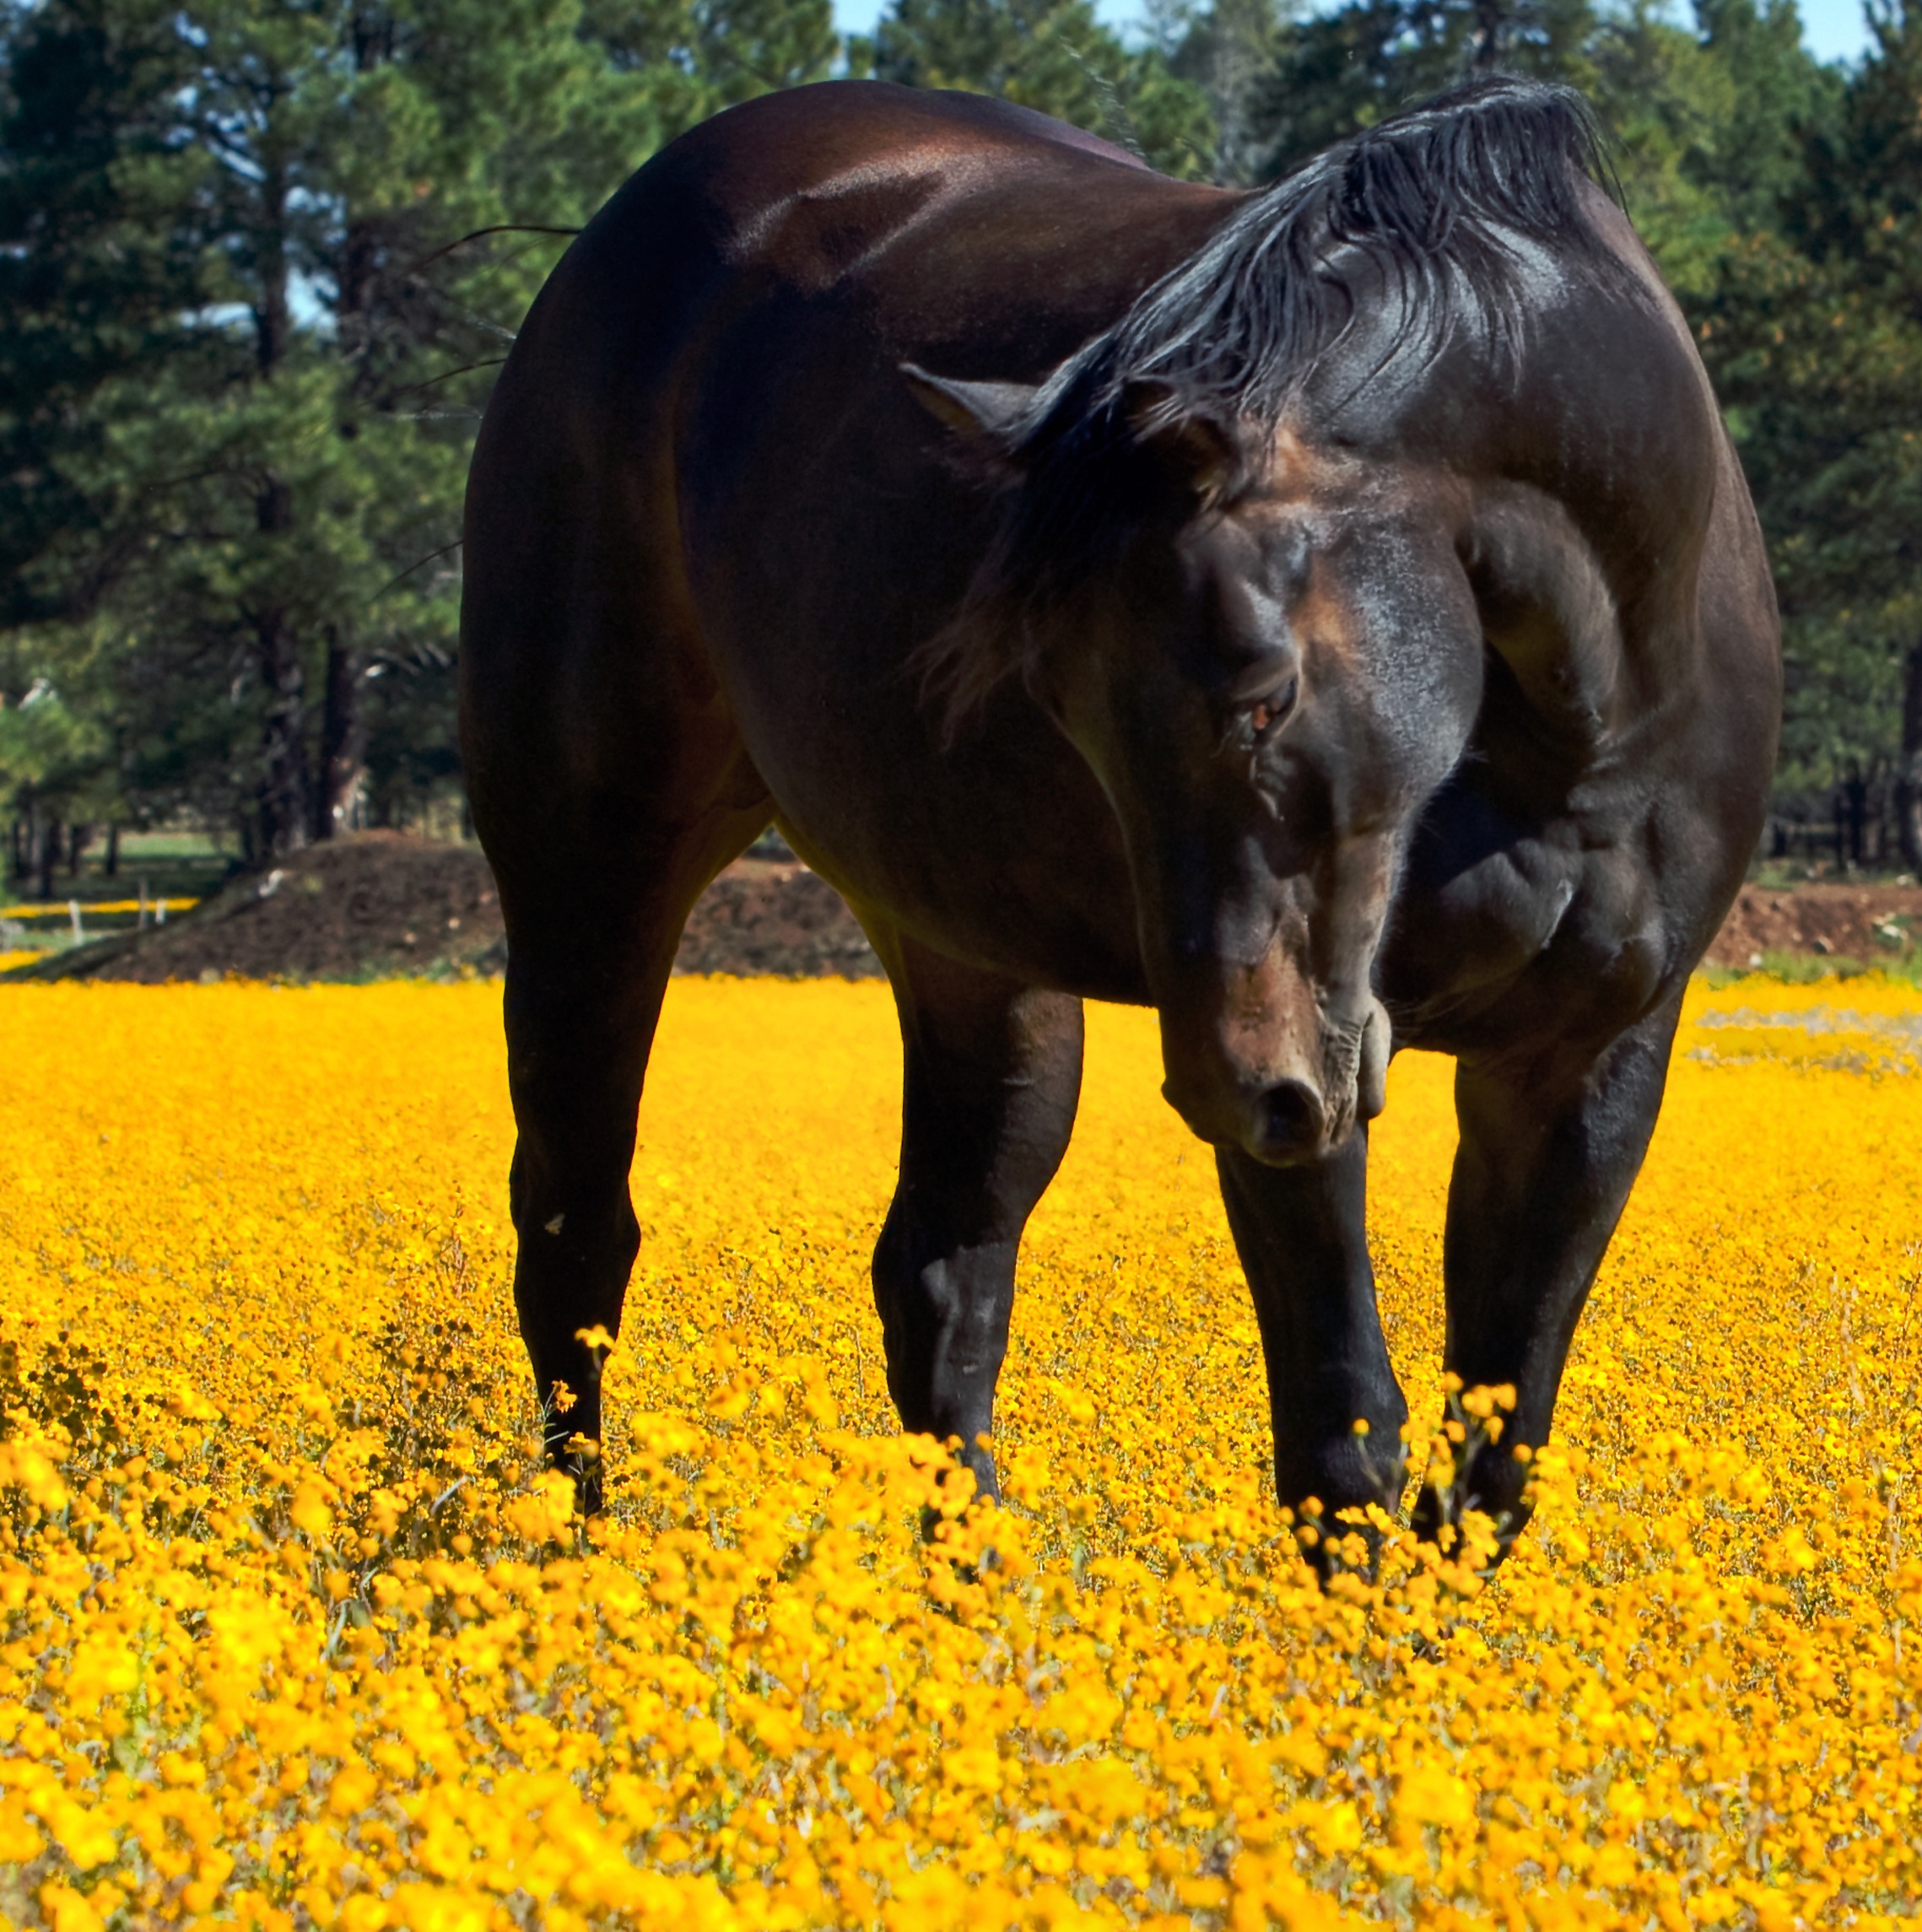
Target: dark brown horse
[1332,615]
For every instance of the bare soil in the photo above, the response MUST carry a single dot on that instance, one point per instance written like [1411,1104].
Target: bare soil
[385,904]
[1864,923]
[763,916]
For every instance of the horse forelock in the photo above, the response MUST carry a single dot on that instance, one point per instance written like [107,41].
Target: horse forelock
[1445,201]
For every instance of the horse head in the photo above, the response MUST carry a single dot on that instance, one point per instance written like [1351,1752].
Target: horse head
[1218,566]
[1269,654]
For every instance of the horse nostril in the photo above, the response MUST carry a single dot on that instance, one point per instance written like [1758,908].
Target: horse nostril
[1292,1117]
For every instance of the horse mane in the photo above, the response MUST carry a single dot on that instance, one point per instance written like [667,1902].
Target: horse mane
[1435,197]
[1440,201]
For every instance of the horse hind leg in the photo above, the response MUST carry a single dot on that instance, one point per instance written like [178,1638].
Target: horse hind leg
[594,893]
[991,1080]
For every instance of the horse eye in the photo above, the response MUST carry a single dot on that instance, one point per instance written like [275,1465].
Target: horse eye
[1265,713]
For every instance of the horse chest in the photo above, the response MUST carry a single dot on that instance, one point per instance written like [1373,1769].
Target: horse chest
[1502,933]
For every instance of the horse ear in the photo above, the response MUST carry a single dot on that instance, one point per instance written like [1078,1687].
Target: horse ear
[1205,449]
[988,414]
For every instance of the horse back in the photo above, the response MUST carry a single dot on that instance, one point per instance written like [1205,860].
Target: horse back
[717,358]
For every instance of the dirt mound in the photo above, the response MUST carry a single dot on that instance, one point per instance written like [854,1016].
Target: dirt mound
[384,903]
[352,908]
[760,916]
[1866,923]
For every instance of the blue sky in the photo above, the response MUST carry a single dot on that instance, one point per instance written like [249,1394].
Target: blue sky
[1832,28]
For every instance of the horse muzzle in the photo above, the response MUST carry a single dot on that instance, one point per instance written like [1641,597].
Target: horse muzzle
[1293,1119]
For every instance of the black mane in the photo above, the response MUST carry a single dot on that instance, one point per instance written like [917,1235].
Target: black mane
[1435,199]
[1438,202]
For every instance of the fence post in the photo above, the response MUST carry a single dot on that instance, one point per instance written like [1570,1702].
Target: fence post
[73,913]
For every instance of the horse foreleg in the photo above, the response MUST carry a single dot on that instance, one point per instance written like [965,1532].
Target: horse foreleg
[589,955]
[1550,1147]
[581,1010]
[991,1080]
[1336,1406]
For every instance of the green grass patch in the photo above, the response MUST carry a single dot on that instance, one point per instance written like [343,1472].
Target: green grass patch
[1810,969]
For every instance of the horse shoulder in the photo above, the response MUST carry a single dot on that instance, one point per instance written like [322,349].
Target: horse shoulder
[1584,853]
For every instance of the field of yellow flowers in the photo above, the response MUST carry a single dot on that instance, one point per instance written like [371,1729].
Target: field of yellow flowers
[293,1632]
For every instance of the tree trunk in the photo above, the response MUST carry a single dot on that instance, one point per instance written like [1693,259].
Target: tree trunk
[272,320]
[359,271]
[284,804]
[113,851]
[341,741]
[50,844]
[1854,815]
[1489,21]
[1909,770]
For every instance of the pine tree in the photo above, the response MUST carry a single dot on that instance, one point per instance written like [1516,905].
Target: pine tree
[288,247]
[1815,339]
[1054,55]
[1230,50]
[1344,70]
